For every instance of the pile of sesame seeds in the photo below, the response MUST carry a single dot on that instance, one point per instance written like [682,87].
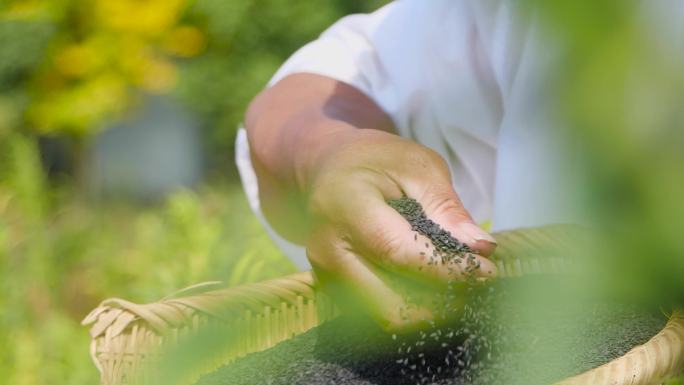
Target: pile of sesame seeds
[487,340]
[457,348]
[447,248]
[515,344]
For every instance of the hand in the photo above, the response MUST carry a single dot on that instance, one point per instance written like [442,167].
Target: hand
[358,244]
[326,164]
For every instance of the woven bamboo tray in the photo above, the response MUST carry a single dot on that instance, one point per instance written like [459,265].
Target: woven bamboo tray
[128,338]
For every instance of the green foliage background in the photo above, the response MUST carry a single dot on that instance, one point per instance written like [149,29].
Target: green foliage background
[61,250]
[70,67]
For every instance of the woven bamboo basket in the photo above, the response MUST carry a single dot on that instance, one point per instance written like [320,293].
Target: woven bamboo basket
[128,338]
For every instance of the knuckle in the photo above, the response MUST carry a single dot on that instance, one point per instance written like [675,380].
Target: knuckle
[442,201]
[427,165]
[387,247]
[447,205]
[430,157]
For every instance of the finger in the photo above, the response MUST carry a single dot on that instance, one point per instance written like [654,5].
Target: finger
[441,204]
[333,260]
[380,234]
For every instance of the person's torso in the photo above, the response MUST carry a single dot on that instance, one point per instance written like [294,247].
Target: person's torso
[452,85]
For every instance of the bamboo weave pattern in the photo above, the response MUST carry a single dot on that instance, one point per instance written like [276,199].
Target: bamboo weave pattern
[128,337]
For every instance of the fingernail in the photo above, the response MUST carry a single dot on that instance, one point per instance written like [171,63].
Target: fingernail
[475,234]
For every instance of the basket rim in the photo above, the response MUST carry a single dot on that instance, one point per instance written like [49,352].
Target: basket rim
[659,358]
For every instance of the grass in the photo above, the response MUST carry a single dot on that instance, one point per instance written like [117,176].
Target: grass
[61,254]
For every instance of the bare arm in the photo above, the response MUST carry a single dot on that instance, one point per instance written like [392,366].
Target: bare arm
[326,162]
[286,126]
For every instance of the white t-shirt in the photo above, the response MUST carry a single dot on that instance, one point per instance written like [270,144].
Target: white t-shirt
[464,78]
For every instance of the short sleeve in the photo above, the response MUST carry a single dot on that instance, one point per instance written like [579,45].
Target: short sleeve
[345,52]
[425,63]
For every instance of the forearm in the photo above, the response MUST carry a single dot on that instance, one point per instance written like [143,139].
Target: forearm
[289,123]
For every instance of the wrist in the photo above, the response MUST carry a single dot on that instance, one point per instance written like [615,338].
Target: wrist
[315,147]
